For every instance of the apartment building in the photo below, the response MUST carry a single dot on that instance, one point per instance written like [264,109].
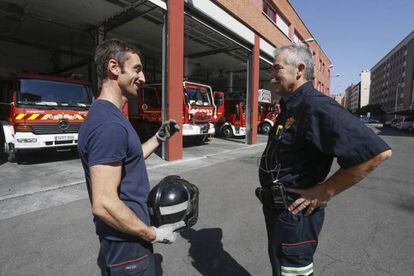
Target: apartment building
[392,78]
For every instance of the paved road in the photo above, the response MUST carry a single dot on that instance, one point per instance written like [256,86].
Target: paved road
[368,229]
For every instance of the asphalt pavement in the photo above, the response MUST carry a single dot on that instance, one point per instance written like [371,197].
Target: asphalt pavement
[46,225]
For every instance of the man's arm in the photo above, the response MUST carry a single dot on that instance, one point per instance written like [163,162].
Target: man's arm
[167,129]
[109,208]
[343,179]
[149,146]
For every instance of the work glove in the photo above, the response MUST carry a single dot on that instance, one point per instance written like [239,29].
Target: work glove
[165,233]
[167,129]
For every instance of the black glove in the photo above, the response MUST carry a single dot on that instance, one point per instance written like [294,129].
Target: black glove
[167,129]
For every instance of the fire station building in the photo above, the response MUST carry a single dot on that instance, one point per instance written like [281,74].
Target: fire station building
[227,44]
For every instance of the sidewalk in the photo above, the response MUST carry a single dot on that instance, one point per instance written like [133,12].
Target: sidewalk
[38,185]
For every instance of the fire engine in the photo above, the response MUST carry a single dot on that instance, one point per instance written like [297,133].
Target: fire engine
[268,112]
[231,119]
[39,111]
[199,110]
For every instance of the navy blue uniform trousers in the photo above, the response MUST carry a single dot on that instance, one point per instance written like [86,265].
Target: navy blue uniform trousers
[119,258]
[292,240]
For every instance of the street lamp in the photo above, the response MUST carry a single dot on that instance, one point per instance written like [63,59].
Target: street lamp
[336,86]
[311,39]
[396,100]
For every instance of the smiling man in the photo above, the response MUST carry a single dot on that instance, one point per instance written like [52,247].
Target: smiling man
[310,132]
[113,160]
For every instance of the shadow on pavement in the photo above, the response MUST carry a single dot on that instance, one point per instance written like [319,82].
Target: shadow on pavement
[3,159]
[193,142]
[236,139]
[158,264]
[208,255]
[47,156]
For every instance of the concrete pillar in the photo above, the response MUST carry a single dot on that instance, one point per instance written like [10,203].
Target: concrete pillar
[230,83]
[175,68]
[253,91]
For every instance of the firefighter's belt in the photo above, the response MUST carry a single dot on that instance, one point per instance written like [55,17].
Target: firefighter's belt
[273,197]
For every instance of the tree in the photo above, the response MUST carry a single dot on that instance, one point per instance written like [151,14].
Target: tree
[375,110]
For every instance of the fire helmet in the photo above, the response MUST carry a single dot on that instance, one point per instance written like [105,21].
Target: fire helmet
[172,200]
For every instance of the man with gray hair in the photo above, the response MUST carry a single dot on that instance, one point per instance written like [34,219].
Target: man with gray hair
[310,132]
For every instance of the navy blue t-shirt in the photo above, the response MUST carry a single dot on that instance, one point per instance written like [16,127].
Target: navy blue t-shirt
[106,136]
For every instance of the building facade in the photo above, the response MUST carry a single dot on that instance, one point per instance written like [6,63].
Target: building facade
[392,78]
[277,23]
[339,98]
[365,85]
[353,97]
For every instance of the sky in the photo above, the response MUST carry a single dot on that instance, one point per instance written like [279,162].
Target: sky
[355,34]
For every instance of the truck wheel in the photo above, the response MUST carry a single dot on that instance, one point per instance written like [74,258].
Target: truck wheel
[227,132]
[13,156]
[266,128]
[3,154]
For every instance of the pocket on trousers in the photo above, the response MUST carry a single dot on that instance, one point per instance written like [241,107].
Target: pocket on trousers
[290,226]
[300,248]
[130,267]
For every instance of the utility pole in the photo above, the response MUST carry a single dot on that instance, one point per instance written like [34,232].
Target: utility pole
[396,100]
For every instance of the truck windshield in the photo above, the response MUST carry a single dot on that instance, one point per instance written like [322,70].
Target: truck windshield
[151,96]
[198,95]
[53,93]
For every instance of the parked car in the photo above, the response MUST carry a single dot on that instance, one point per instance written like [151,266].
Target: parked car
[396,123]
[390,122]
[371,121]
[406,124]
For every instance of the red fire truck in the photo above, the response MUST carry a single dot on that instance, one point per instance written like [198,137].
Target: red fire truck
[231,121]
[267,111]
[39,111]
[199,110]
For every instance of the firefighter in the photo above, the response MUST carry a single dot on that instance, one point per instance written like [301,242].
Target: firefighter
[311,130]
[114,163]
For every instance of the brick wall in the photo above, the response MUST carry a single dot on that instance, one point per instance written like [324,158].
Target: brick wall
[250,13]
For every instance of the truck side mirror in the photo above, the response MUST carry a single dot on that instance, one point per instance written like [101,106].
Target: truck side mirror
[218,98]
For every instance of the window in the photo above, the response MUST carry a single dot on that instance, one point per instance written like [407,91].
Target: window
[37,91]
[276,17]
[295,38]
[198,95]
[269,11]
[282,24]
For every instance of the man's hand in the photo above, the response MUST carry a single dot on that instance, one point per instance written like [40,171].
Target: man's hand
[309,198]
[165,233]
[167,129]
